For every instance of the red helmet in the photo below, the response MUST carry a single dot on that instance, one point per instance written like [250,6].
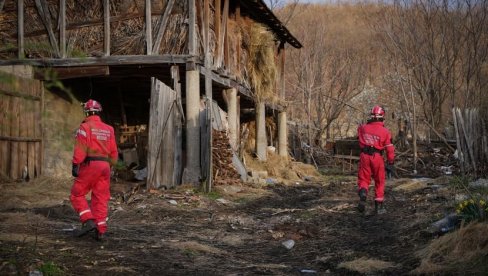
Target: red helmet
[377,112]
[92,106]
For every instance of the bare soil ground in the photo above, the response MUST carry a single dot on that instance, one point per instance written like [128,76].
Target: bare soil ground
[204,235]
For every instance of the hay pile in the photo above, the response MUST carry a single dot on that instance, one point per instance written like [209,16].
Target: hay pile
[281,168]
[464,252]
[261,69]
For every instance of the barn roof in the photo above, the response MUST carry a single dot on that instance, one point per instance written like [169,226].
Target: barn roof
[260,12]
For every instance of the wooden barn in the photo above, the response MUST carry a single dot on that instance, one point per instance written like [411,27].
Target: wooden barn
[166,72]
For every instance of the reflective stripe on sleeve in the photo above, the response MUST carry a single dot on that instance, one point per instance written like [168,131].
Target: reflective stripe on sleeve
[101,223]
[379,199]
[389,145]
[81,132]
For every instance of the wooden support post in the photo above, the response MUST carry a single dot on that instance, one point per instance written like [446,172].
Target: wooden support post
[232,116]
[163,22]
[106,28]
[62,28]
[20,31]
[208,89]
[148,28]
[261,143]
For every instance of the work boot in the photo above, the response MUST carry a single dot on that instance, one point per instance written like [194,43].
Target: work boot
[99,236]
[87,227]
[362,200]
[379,208]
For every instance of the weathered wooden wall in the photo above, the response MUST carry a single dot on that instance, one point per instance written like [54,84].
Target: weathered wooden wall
[21,102]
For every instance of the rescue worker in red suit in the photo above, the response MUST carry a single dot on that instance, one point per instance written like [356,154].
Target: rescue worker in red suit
[374,138]
[95,151]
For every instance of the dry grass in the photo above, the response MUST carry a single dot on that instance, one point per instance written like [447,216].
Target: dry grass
[43,191]
[365,265]
[462,252]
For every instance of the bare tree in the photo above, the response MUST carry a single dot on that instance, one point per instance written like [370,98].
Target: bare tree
[326,74]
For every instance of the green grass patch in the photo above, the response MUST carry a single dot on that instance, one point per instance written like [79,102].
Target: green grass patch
[51,269]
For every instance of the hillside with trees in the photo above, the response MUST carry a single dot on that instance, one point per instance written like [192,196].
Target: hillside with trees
[418,59]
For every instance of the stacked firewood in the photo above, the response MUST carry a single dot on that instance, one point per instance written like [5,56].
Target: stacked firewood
[224,172]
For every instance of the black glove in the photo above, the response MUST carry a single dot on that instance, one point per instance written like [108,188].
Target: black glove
[75,169]
[390,170]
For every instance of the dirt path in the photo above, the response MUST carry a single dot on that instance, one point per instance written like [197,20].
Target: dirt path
[201,236]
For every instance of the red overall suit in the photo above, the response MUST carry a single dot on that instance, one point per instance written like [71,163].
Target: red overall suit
[94,140]
[373,139]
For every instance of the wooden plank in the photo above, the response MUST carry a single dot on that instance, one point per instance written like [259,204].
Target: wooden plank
[167,155]
[14,132]
[163,22]
[62,28]
[239,42]
[350,157]
[106,27]
[148,28]
[73,72]
[29,117]
[23,126]
[222,38]
[42,8]
[39,129]
[20,31]
[111,60]
[4,130]
[217,30]
[178,128]
[192,42]
[153,133]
